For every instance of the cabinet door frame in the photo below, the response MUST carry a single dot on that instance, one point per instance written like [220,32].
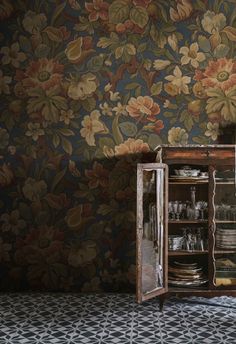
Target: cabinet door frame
[139,231]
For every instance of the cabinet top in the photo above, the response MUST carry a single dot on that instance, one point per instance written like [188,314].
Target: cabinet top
[187,146]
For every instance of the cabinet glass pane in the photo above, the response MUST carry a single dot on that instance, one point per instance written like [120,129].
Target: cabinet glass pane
[225,228]
[153,231]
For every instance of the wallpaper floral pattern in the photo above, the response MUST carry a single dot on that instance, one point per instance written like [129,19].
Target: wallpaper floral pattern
[86,86]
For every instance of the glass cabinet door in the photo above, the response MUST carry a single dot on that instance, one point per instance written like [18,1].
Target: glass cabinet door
[152,184]
[224,249]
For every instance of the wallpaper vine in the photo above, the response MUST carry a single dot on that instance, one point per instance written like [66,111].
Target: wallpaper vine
[86,87]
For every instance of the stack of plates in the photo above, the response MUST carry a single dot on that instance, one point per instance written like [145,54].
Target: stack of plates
[175,242]
[186,275]
[226,238]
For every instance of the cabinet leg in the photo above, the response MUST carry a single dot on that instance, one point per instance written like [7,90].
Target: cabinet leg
[161,303]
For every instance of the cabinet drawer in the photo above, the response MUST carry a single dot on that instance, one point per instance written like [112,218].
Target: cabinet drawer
[199,155]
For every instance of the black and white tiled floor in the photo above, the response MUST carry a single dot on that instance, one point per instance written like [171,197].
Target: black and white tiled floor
[114,319]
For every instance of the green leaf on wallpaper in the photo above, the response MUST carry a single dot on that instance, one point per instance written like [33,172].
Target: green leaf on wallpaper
[142,47]
[106,141]
[116,131]
[119,179]
[156,88]
[118,11]
[187,119]
[55,140]
[56,13]
[200,5]
[66,145]
[163,12]
[221,51]
[95,63]
[169,114]
[131,85]
[105,209]
[154,33]
[128,129]
[66,132]
[204,43]
[57,179]
[25,211]
[88,104]
[154,140]
[25,44]
[138,91]
[139,16]
[200,140]
[173,120]
[42,51]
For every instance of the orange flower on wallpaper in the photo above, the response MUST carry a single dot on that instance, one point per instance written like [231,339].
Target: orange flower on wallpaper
[42,73]
[220,74]
[132,146]
[97,176]
[143,108]
[97,9]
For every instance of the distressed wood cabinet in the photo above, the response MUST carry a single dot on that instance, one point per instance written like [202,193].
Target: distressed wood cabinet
[186,223]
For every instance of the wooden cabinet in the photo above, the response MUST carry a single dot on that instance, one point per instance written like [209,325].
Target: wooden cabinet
[186,222]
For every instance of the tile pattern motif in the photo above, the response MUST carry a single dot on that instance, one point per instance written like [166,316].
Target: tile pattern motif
[115,319]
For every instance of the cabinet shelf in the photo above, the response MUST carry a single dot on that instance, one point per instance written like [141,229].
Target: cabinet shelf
[185,253]
[224,221]
[225,183]
[187,221]
[224,251]
[191,182]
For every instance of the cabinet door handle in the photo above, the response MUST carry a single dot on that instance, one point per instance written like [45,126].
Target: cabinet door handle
[208,153]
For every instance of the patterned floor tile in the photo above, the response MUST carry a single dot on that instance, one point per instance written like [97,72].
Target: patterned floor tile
[114,319]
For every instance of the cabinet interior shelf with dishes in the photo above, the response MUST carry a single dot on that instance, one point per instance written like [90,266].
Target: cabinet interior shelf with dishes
[186,223]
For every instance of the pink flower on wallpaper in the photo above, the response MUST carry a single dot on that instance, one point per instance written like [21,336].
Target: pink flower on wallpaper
[42,73]
[220,73]
[143,108]
[97,9]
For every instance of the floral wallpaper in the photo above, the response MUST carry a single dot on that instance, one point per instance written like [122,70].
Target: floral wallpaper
[88,88]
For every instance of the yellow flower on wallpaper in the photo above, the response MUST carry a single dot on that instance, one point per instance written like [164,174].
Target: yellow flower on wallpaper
[177,136]
[34,22]
[91,126]
[83,88]
[12,55]
[191,55]
[212,22]
[212,130]
[34,131]
[181,82]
